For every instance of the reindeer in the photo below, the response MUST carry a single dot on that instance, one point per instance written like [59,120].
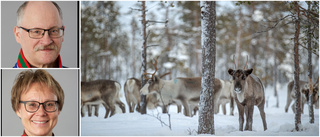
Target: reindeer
[179,90]
[304,89]
[132,93]
[227,96]
[315,93]
[105,92]
[249,91]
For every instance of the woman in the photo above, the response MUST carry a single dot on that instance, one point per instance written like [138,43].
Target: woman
[37,98]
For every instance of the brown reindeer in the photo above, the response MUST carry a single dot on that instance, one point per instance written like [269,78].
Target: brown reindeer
[132,93]
[180,90]
[105,92]
[249,91]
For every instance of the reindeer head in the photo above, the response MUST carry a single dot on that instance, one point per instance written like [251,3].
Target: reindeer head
[153,82]
[239,76]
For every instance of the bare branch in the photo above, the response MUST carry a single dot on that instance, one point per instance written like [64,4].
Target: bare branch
[314,52]
[275,25]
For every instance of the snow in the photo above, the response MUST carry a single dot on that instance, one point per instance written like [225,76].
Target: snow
[134,124]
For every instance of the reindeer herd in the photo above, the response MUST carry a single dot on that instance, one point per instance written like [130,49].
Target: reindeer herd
[245,89]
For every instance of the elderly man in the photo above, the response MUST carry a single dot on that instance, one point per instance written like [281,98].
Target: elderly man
[37,98]
[40,32]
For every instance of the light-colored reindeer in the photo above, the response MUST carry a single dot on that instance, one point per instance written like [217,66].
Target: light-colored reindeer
[249,91]
[227,96]
[105,92]
[132,93]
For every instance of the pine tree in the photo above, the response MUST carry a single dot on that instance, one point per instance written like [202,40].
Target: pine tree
[297,70]
[310,102]
[208,36]
[143,103]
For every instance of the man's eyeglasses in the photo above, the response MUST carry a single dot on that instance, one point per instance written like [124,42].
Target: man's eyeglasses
[39,33]
[33,106]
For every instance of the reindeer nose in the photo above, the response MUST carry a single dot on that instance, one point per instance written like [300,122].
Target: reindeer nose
[237,90]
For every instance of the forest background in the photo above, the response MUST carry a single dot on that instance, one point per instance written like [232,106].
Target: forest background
[111,40]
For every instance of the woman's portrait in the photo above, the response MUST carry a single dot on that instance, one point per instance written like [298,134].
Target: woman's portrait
[41,104]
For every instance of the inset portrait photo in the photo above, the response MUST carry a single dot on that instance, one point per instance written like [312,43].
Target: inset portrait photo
[39,34]
[39,102]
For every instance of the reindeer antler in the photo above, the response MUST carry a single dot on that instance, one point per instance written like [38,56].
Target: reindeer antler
[156,69]
[246,63]
[165,74]
[235,65]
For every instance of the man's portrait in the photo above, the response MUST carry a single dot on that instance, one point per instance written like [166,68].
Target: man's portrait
[39,34]
[39,102]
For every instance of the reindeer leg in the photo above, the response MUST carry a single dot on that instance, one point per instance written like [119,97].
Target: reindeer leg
[186,107]
[89,110]
[138,107]
[179,108]
[241,112]
[96,110]
[82,111]
[231,106]
[293,108]
[263,115]
[216,109]
[303,101]
[131,106]
[250,108]
[165,108]
[122,106]
[289,100]
[195,110]
[112,109]
[247,117]
[224,109]
[110,104]
[107,110]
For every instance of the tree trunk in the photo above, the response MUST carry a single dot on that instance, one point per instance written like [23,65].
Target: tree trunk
[84,59]
[310,102]
[297,70]
[208,40]
[143,103]
[133,56]
[239,33]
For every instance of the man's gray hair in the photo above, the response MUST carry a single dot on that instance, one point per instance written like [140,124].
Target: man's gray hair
[21,9]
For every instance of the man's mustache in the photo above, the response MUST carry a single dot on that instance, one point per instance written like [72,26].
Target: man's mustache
[48,47]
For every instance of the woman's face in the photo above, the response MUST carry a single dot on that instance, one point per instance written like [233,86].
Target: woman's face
[39,123]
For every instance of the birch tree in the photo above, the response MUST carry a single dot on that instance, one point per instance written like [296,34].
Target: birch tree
[208,39]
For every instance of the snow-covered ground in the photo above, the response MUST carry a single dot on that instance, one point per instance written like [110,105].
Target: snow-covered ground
[134,124]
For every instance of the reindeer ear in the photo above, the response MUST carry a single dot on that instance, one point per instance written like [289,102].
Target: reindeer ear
[231,71]
[248,72]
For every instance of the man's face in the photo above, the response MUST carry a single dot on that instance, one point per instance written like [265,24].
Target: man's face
[39,123]
[43,15]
